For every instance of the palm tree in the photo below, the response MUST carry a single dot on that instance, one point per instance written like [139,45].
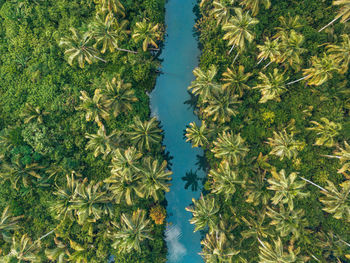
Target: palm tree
[322,70]
[101,143]
[217,248]
[327,131]
[204,213]
[269,254]
[287,25]
[343,13]
[8,223]
[148,33]
[287,221]
[91,202]
[284,145]
[269,50]
[59,254]
[254,5]
[109,32]
[79,47]
[256,190]
[257,227]
[286,188]
[131,231]
[332,245]
[221,10]
[118,96]
[341,53]
[33,113]
[271,86]
[224,180]
[230,146]
[291,49]
[221,106]
[197,135]
[125,160]
[204,83]
[23,250]
[16,172]
[154,178]
[112,6]
[62,206]
[337,202]
[235,80]
[145,134]
[94,107]
[80,254]
[344,156]
[214,129]
[124,186]
[262,163]
[239,29]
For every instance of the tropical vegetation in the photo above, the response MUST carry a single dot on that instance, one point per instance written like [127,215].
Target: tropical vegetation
[278,184]
[82,167]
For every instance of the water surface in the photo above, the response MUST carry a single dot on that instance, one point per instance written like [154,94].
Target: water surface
[180,56]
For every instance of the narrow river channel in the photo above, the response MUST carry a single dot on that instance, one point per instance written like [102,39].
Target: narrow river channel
[180,56]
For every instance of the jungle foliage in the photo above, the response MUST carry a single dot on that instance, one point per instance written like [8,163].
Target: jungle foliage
[273,96]
[82,170]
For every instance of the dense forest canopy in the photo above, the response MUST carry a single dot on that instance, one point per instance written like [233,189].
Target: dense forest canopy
[272,92]
[82,169]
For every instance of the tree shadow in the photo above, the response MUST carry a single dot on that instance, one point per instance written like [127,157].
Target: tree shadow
[202,162]
[192,180]
[168,158]
[192,101]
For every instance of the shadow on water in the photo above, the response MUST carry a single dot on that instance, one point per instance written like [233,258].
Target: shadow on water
[192,180]
[180,57]
[202,162]
[168,158]
[192,101]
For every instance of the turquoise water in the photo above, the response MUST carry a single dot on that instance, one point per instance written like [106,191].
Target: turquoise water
[180,56]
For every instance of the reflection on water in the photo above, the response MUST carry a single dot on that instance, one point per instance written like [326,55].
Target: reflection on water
[176,251]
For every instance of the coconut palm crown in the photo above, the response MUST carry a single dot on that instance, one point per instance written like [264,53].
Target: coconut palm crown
[239,29]
[230,146]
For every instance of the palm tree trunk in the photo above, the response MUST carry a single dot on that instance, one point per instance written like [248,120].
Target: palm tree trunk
[47,234]
[38,240]
[346,243]
[346,20]
[234,60]
[268,64]
[100,59]
[310,182]
[231,49]
[260,61]
[315,258]
[295,81]
[331,156]
[261,243]
[126,50]
[335,19]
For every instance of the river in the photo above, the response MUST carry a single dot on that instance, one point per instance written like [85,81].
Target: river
[180,57]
